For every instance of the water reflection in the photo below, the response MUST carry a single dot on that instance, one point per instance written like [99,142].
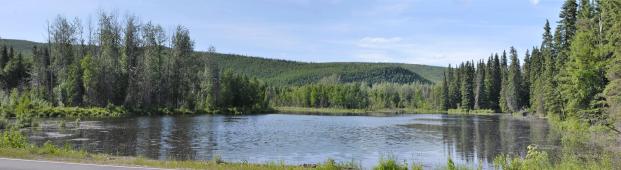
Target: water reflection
[297,139]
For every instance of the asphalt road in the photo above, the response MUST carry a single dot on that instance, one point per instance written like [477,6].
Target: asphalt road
[22,164]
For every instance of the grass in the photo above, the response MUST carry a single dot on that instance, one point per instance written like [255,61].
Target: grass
[390,163]
[343,111]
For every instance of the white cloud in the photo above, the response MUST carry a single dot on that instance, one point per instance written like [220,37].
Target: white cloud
[439,52]
[534,2]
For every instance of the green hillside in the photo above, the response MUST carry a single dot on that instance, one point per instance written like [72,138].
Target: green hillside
[20,45]
[283,72]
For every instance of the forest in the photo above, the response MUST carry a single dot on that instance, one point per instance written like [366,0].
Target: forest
[358,96]
[574,73]
[123,67]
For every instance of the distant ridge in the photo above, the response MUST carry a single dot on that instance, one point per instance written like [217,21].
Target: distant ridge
[285,72]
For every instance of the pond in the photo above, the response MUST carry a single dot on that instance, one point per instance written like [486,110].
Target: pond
[428,139]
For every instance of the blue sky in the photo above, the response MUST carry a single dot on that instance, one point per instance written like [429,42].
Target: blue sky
[433,32]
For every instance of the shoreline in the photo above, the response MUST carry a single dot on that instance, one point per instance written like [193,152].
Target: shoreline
[354,112]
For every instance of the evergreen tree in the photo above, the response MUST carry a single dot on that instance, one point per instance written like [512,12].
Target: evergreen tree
[537,82]
[585,76]
[445,93]
[454,87]
[504,88]
[467,85]
[552,103]
[4,57]
[16,72]
[611,26]
[41,73]
[566,30]
[74,83]
[514,83]
[494,83]
[526,83]
[480,98]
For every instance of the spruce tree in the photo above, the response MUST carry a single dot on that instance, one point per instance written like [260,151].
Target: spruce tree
[4,57]
[536,80]
[514,83]
[552,103]
[454,87]
[480,98]
[584,75]
[467,85]
[612,32]
[565,32]
[525,87]
[493,83]
[504,85]
[445,93]
[16,72]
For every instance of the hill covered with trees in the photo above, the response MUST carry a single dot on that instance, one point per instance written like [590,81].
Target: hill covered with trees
[283,72]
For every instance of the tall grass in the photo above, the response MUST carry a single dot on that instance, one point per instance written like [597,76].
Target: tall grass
[390,163]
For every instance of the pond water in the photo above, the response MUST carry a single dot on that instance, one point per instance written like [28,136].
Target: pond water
[300,139]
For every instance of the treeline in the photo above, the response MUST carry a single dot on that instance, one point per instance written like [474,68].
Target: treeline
[277,72]
[575,72]
[126,63]
[358,96]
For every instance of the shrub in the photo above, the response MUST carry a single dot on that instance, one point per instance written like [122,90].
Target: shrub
[49,148]
[13,139]
[390,164]
[534,159]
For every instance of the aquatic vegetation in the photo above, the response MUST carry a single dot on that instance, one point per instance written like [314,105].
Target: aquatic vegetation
[62,124]
[330,164]
[471,111]
[351,112]
[582,147]
[417,166]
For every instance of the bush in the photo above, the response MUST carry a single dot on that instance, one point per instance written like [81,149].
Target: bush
[390,164]
[49,148]
[13,139]
[535,159]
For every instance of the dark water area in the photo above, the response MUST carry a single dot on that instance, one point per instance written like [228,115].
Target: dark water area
[298,139]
